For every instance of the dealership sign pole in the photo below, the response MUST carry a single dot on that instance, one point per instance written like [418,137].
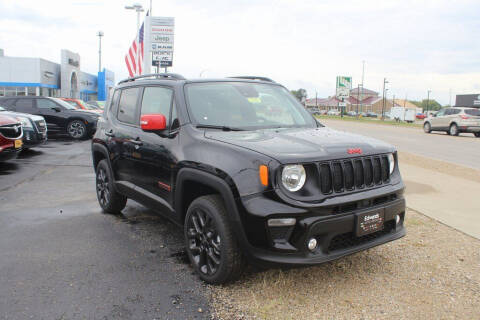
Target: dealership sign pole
[343,87]
[159,36]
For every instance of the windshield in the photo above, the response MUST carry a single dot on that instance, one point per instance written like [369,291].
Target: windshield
[2,109]
[64,104]
[245,105]
[473,112]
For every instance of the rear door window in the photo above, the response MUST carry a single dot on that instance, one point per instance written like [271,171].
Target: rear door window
[24,105]
[127,107]
[110,109]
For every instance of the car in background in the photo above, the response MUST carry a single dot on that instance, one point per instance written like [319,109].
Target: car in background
[351,114]
[34,127]
[371,115]
[362,114]
[454,120]
[420,116]
[81,105]
[333,112]
[98,104]
[11,134]
[61,117]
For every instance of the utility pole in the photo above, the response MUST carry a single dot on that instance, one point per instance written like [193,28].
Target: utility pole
[361,95]
[100,35]
[428,100]
[358,101]
[316,101]
[450,93]
[383,102]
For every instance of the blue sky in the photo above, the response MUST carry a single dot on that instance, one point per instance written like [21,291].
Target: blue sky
[416,45]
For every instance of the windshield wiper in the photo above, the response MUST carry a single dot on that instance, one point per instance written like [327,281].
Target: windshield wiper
[224,128]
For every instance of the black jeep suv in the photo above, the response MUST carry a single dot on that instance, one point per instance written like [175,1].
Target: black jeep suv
[247,171]
[61,117]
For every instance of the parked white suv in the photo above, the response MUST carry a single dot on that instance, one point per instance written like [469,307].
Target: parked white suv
[454,121]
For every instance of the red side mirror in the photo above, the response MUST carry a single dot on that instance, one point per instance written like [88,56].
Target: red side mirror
[153,122]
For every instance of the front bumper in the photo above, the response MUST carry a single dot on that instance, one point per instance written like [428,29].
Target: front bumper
[334,232]
[32,138]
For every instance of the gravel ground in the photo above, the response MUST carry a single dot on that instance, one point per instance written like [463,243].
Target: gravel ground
[432,273]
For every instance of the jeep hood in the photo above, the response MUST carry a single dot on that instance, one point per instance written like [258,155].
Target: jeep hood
[300,144]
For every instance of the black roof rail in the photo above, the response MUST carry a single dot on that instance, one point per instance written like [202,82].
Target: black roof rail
[253,78]
[167,76]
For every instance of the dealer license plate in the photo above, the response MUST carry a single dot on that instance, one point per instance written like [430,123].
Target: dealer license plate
[369,222]
[18,143]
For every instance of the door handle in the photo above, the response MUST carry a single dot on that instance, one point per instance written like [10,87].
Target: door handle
[136,142]
[109,133]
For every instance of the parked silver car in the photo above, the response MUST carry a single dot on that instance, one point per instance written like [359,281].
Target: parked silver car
[454,121]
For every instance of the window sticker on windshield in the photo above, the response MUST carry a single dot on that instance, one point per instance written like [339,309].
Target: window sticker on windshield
[254,100]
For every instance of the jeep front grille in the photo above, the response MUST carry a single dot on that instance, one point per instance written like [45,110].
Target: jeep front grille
[346,175]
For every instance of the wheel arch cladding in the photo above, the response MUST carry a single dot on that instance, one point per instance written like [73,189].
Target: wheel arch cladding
[99,152]
[193,183]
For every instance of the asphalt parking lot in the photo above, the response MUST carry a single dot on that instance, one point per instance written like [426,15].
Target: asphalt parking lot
[63,259]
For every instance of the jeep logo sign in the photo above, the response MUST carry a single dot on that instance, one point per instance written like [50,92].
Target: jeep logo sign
[354,151]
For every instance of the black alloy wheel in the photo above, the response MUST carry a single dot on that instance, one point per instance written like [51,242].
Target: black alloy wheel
[210,243]
[108,198]
[103,189]
[477,134]
[76,129]
[204,241]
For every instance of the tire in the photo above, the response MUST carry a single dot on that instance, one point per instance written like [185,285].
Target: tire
[453,130]
[109,199]
[427,127]
[210,243]
[77,130]
[477,134]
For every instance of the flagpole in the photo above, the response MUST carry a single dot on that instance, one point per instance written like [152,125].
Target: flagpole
[137,41]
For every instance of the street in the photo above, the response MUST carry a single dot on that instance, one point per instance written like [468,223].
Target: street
[441,172]
[463,150]
[63,259]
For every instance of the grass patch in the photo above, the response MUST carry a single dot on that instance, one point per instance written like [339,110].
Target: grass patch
[373,121]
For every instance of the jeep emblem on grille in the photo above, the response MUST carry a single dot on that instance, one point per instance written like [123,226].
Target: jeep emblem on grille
[354,151]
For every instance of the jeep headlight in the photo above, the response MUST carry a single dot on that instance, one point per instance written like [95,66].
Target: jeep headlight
[25,122]
[391,162]
[293,177]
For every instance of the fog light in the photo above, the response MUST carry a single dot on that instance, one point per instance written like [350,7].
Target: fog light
[282,222]
[312,244]
[397,219]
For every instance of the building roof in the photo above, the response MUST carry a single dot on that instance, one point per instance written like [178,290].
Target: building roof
[404,103]
[368,101]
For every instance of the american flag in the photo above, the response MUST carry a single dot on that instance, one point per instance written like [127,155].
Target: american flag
[134,62]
